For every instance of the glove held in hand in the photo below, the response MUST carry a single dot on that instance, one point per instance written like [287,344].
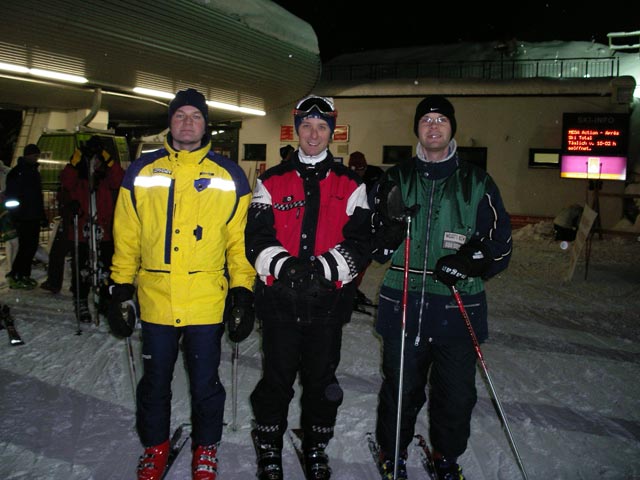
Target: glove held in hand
[295,273]
[451,268]
[471,260]
[389,203]
[122,313]
[239,313]
[478,255]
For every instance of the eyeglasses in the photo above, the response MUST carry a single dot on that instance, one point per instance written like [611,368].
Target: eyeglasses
[438,120]
[323,105]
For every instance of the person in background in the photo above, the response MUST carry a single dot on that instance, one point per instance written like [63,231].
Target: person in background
[370,175]
[90,169]
[308,236]
[285,153]
[179,235]
[24,201]
[8,233]
[460,236]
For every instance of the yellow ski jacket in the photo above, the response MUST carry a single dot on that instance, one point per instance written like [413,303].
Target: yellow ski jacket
[179,233]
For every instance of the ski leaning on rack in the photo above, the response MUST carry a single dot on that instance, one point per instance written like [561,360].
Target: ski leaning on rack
[7,320]
[178,441]
[93,234]
[426,457]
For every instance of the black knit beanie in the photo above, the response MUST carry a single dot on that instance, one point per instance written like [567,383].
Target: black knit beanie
[192,97]
[438,104]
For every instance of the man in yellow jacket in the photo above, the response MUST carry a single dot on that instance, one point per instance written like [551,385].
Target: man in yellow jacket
[179,235]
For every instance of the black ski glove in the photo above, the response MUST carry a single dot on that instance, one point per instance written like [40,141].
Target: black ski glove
[295,273]
[389,217]
[122,312]
[451,268]
[389,203]
[319,285]
[471,260]
[239,313]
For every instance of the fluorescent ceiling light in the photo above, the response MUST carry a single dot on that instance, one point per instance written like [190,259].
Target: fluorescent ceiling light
[43,73]
[57,75]
[13,68]
[234,108]
[153,93]
[211,103]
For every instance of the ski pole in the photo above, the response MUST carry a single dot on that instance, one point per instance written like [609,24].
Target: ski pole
[476,346]
[234,373]
[77,270]
[132,368]
[125,309]
[405,293]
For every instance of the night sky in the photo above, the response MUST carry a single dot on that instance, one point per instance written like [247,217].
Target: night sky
[348,26]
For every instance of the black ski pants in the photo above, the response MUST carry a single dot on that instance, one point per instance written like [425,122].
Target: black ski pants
[28,239]
[313,349]
[446,371]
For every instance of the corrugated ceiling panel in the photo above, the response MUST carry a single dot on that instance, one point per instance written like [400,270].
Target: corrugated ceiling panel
[161,44]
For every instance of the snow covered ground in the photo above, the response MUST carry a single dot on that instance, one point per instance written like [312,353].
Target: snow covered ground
[564,358]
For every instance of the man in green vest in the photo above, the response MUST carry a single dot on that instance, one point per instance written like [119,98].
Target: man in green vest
[460,234]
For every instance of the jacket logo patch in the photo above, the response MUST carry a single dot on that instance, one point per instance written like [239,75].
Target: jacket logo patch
[453,240]
[162,170]
[288,198]
[201,183]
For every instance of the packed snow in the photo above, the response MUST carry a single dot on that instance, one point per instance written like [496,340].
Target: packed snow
[563,356]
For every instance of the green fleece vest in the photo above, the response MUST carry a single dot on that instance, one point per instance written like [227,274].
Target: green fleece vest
[445,221]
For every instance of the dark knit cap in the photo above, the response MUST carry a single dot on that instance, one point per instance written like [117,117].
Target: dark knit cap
[285,151]
[357,161]
[437,104]
[31,149]
[192,97]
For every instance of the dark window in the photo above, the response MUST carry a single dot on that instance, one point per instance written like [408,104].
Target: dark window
[255,151]
[395,153]
[475,155]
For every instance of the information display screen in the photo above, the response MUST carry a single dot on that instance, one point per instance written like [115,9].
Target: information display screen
[594,145]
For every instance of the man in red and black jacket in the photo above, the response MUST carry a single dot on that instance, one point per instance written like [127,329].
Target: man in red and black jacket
[308,236]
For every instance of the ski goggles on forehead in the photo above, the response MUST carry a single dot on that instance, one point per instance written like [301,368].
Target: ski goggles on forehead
[322,104]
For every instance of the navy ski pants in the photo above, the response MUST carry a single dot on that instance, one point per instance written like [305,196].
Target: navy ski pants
[160,348]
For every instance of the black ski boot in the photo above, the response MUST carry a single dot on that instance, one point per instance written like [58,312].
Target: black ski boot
[269,457]
[448,469]
[387,466]
[316,464]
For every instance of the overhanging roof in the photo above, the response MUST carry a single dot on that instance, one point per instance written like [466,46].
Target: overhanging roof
[251,54]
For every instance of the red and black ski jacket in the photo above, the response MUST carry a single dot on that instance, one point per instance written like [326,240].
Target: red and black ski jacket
[317,212]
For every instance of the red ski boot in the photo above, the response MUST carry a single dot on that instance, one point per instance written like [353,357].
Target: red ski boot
[153,462]
[204,465]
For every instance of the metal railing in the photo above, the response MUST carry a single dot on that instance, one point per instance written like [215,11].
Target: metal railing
[505,69]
